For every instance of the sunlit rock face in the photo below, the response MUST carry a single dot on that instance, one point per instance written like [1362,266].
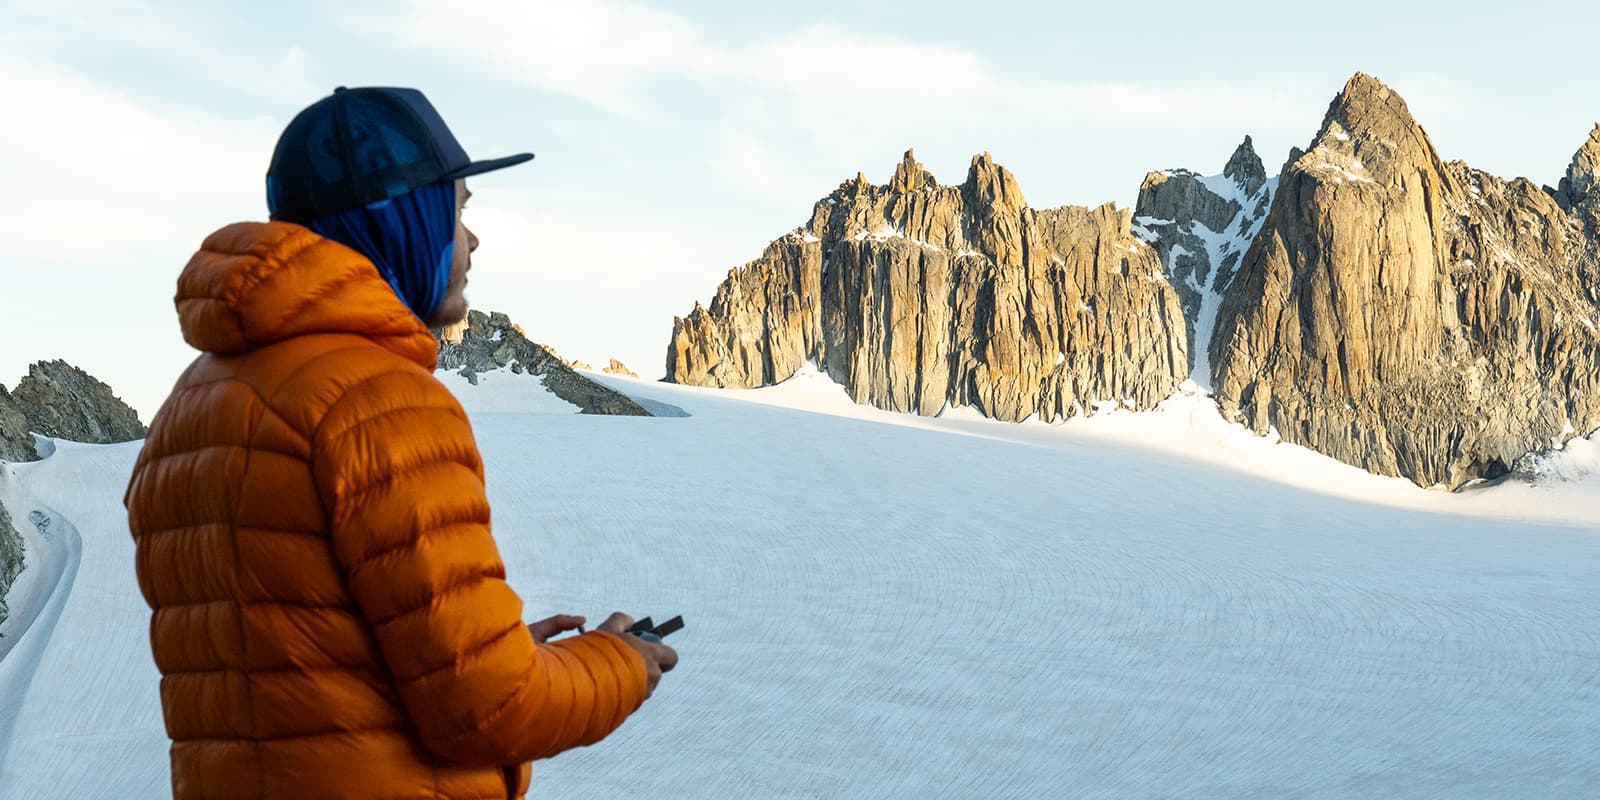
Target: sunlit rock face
[916,296]
[1411,316]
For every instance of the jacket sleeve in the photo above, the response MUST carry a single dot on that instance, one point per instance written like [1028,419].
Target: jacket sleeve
[400,476]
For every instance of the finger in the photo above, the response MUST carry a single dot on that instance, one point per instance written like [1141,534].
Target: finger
[560,622]
[617,623]
[666,657]
[548,628]
[565,622]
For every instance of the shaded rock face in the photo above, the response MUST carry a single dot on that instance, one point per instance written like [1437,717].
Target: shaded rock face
[1200,227]
[487,342]
[1409,316]
[16,443]
[915,296]
[1579,195]
[10,558]
[618,368]
[1583,176]
[63,402]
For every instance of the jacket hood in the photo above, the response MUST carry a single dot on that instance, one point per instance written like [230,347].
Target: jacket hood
[256,283]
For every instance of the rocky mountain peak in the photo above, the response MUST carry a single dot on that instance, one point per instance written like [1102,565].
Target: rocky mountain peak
[1366,105]
[1584,172]
[1369,133]
[1409,316]
[1245,167]
[993,185]
[909,176]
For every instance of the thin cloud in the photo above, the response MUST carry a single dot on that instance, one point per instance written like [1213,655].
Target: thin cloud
[598,51]
[162,180]
[748,161]
[43,32]
[833,65]
[830,95]
[610,54]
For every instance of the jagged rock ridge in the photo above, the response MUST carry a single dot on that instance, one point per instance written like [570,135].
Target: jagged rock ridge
[58,400]
[916,296]
[1409,316]
[487,342]
[1200,227]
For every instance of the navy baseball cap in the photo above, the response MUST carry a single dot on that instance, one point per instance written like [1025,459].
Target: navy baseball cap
[363,145]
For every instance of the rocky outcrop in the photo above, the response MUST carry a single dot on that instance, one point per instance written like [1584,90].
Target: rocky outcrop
[488,342]
[618,368]
[16,443]
[1409,316]
[1200,227]
[11,556]
[916,296]
[64,402]
[59,400]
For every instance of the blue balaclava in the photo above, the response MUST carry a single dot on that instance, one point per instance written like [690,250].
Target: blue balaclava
[409,237]
[374,168]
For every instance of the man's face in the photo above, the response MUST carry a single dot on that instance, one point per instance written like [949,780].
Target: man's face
[453,308]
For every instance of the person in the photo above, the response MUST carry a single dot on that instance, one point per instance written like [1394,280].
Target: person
[330,613]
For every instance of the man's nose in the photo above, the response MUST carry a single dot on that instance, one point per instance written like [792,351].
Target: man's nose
[472,240]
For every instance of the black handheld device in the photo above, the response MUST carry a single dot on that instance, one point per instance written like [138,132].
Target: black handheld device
[647,630]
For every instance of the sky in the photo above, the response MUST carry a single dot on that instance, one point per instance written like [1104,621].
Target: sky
[675,140]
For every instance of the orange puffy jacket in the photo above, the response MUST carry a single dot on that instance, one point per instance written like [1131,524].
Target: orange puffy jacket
[331,617]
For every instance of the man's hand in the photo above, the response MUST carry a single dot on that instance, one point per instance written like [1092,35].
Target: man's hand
[546,629]
[658,658]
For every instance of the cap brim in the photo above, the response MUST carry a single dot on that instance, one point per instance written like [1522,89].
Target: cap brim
[480,167]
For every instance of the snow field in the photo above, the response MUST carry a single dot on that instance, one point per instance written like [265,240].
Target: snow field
[1131,605]
[89,723]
